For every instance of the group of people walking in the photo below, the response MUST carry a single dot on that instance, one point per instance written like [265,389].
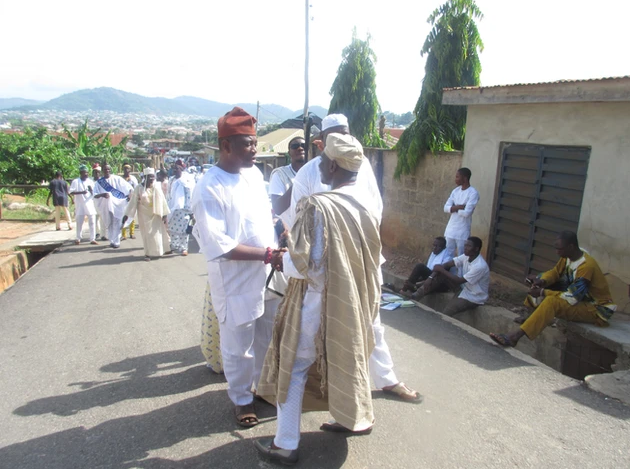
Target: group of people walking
[114,205]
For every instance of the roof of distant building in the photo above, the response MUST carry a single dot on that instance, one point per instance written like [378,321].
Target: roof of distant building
[278,140]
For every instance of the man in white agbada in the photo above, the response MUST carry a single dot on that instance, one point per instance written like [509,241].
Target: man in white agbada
[148,206]
[461,205]
[111,194]
[335,248]
[281,179]
[235,232]
[366,191]
[82,188]
[179,203]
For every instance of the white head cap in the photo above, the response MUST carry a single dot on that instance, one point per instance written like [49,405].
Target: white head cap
[345,150]
[334,120]
[148,171]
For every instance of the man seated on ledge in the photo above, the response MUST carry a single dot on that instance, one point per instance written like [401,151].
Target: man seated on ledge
[575,290]
[439,255]
[473,284]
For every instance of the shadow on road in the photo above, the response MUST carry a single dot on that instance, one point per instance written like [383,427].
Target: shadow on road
[122,440]
[317,450]
[432,329]
[580,394]
[136,380]
[114,260]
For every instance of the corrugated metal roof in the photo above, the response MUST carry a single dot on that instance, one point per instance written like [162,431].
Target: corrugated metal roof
[625,77]
[278,140]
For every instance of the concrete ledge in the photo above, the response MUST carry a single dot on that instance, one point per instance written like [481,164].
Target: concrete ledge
[548,347]
[12,267]
[615,385]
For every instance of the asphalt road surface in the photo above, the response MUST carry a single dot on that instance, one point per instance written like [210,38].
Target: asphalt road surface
[100,367]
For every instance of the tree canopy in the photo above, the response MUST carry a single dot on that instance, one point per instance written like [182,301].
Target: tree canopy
[354,91]
[452,48]
[34,155]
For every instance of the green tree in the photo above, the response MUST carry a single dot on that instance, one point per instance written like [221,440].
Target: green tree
[138,139]
[452,48]
[33,156]
[86,142]
[354,91]
[190,146]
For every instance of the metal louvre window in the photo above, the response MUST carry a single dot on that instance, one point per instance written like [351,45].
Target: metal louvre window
[540,191]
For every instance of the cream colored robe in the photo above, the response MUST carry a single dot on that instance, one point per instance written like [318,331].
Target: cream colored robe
[339,380]
[148,206]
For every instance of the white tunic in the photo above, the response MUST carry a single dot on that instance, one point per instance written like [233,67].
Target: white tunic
[477,275]
[232,209]
[459,224]
[308,182]
[439,259]
[83,203]
[112,206]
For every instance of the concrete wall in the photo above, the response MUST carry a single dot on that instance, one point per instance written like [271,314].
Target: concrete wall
[604,228]
[413,206]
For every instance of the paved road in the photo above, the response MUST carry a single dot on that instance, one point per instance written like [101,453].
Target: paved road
[101,368]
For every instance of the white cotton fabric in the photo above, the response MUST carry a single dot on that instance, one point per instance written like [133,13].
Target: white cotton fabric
[334,120]
[232,209]
[439,259]
[458,226]
[308,182]
[83,203]
[477,275]
[281,180]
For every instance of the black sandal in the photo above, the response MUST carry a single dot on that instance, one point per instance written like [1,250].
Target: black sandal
[246,415]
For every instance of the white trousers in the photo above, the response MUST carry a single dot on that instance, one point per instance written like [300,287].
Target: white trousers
[243,350]
[92,224]
[113,231]
[452,243]
[290,412]
[100,227]
[381,363]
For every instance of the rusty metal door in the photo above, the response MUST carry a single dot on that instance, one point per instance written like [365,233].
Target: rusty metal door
[540,191]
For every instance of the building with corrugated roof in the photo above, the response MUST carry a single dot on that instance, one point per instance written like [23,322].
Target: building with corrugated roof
[547,157]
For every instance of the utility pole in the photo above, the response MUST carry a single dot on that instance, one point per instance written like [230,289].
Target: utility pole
[257,112]
[307,125]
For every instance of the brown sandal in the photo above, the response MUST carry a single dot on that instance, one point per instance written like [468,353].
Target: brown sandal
[246,415]
[404,393]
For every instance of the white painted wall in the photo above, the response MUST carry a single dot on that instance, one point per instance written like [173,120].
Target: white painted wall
[604,228]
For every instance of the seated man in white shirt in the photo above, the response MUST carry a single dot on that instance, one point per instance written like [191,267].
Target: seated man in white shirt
[474,283]
[439,255]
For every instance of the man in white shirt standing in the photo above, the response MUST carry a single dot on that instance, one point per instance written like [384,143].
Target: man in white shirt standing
[474,281]
[82,188]
[235,232]
[308,182]
[461,205]
[281,179]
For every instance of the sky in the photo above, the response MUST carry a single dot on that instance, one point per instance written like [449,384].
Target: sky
[254,50]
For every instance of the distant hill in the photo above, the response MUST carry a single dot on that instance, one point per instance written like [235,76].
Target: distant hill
[110,99]
[8,103]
